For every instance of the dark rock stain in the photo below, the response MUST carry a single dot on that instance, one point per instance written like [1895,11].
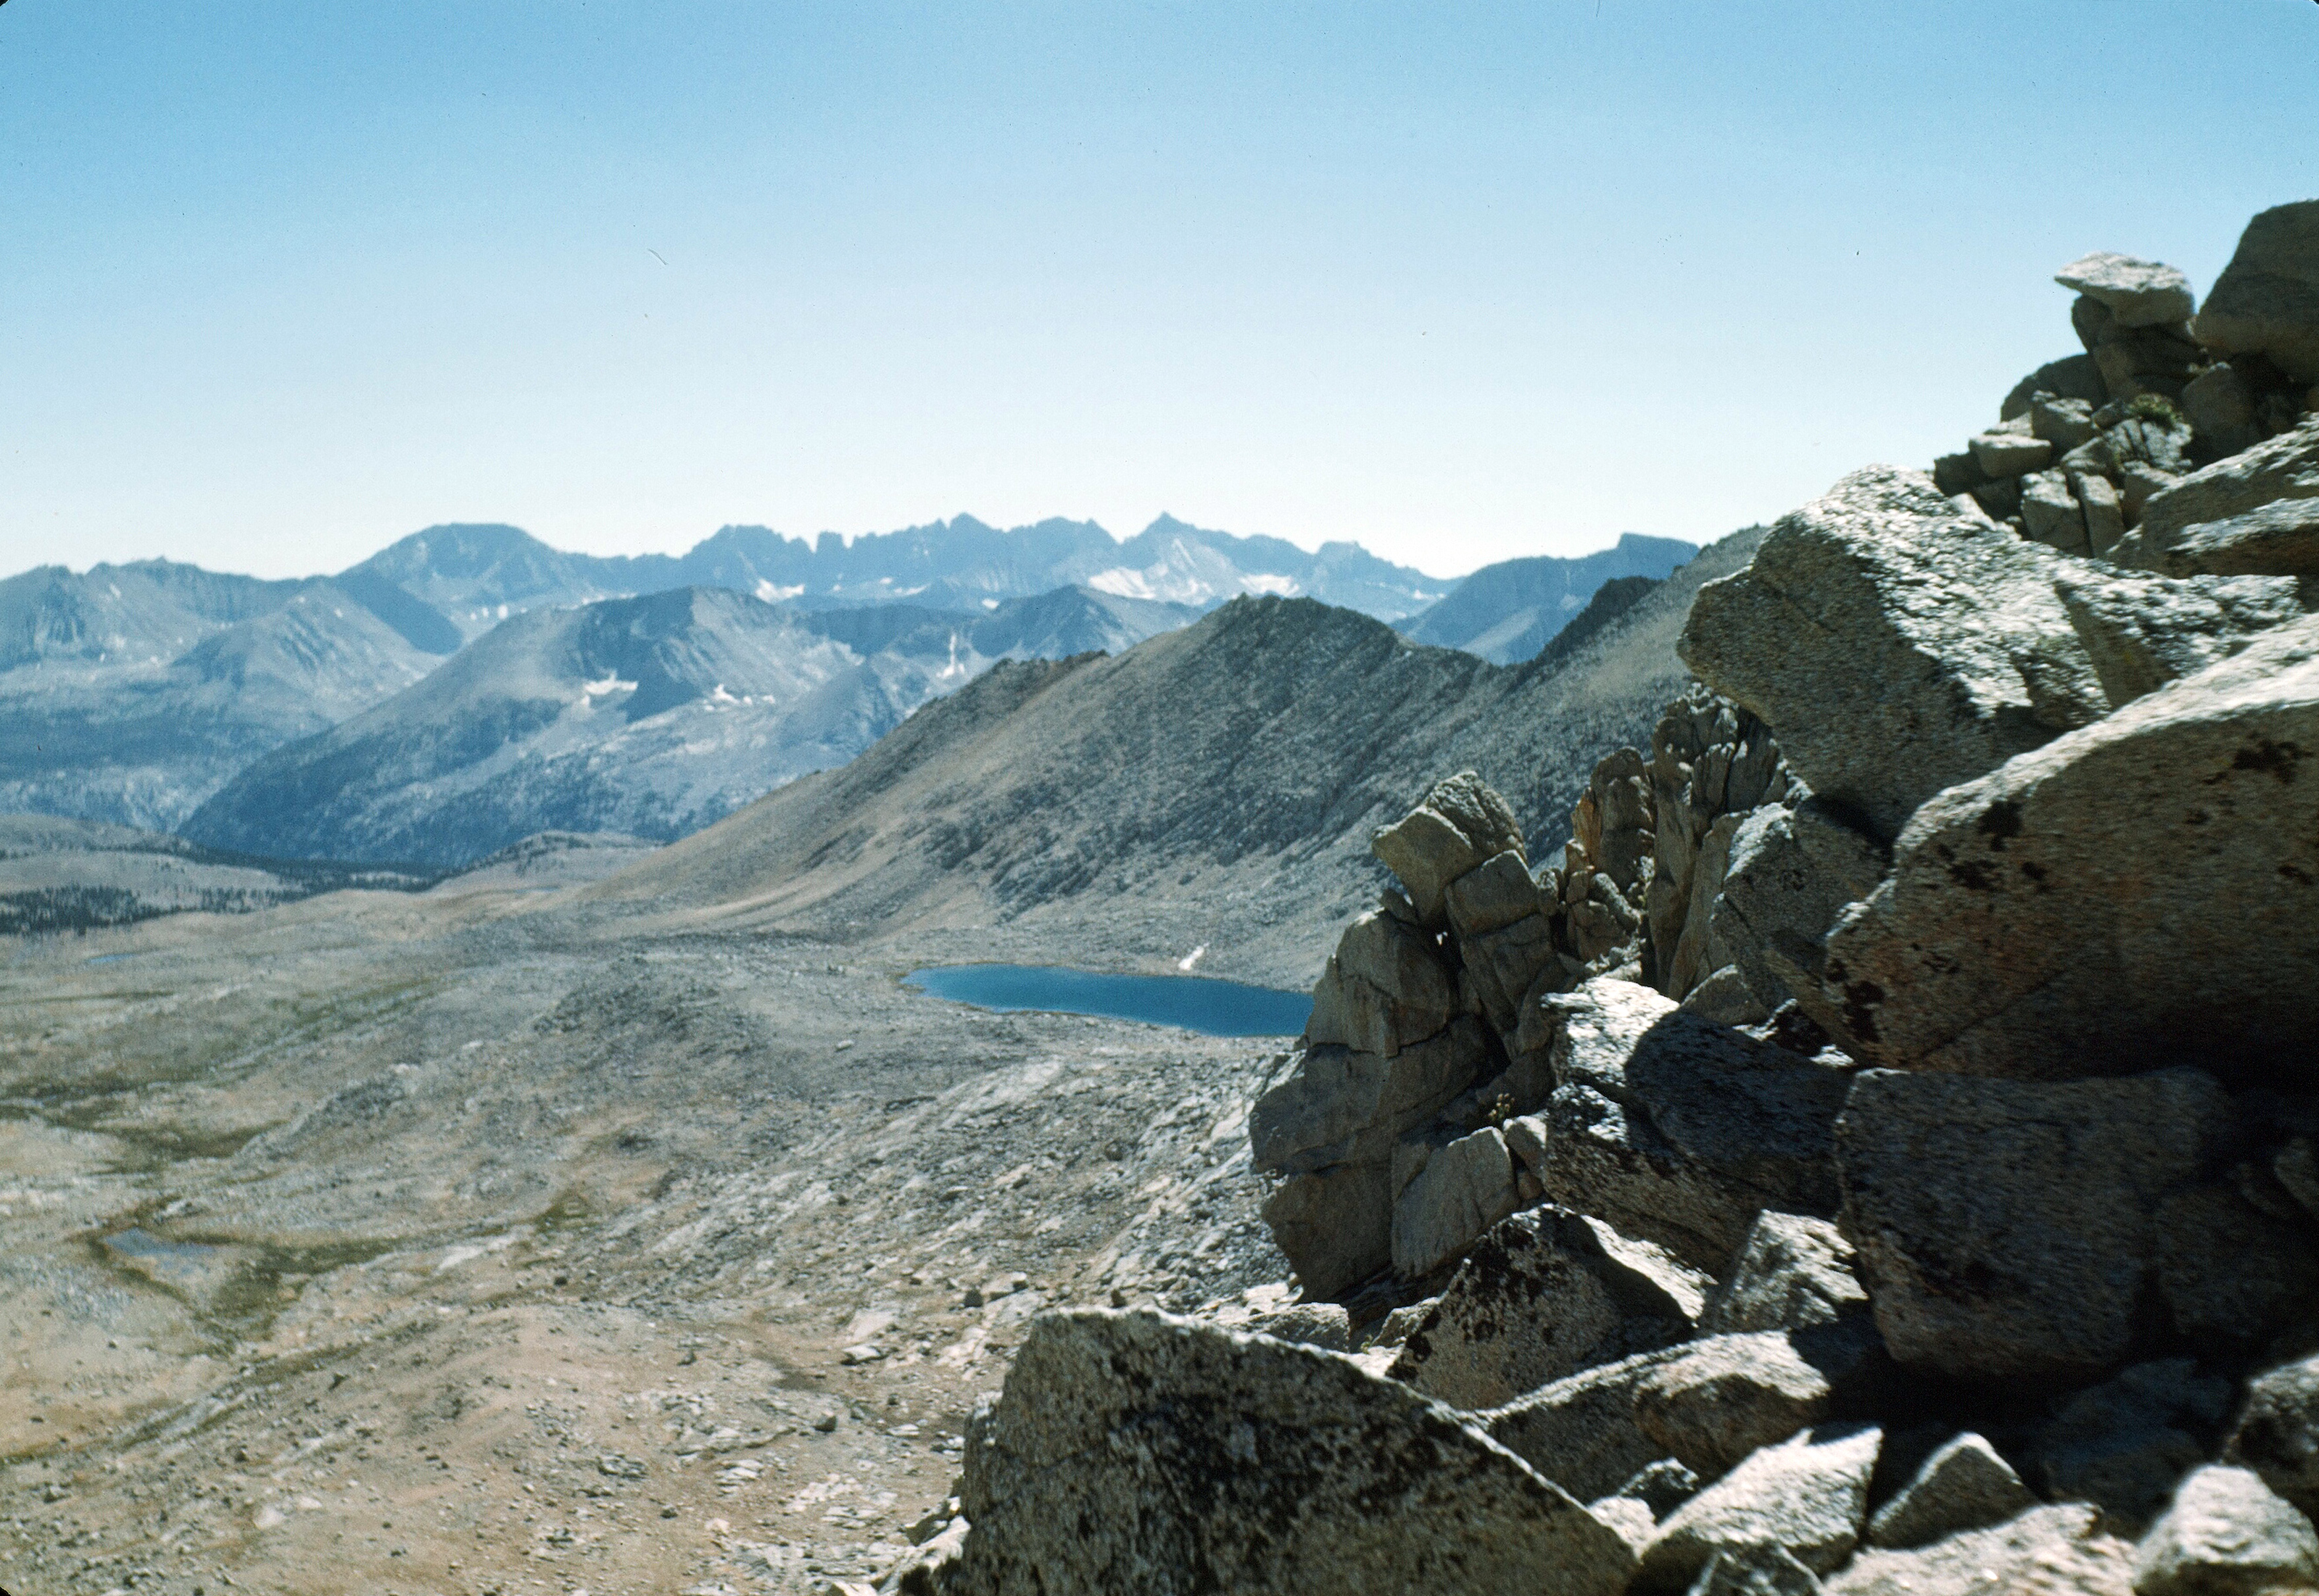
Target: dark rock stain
[1973,875]
[1860,1001]
[1999,822]
[2265,757]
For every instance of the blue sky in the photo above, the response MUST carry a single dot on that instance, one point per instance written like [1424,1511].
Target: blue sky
[285,282]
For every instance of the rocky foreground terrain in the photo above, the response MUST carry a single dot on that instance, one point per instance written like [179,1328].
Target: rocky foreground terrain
[452,1242]
[1878,1154]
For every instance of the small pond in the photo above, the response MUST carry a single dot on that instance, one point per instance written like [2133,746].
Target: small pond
[1193,1003]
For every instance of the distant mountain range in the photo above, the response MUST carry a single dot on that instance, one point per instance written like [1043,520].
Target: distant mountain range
[133,694]
[472,577]
[651,717]
[1507,612]
[128,693]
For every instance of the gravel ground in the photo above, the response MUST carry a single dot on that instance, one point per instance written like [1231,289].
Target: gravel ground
[459,1244]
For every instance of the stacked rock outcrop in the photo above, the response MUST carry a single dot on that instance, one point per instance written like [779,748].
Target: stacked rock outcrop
[1881,1153]
[2084,445]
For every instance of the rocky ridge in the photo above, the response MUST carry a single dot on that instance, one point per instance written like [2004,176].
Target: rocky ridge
[1878,1154]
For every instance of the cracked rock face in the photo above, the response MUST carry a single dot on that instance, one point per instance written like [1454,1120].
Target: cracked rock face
[1580,1431]
[2280,539]
[1452,1194]
[2141,890]
[2073,376]
[2284,469]
[2122,1444]
[1382,990]
[2144,632]
[2278,1432]
[1336,1226]
[2267,300]
[1546,1293]
[2006,1228]
[1712,767]
[1460,823]
[1794,1271]
[1726,1397]
[1806,1496]
[1964,1486]
[1792,875]
[2053,1551]
[1137,1451]
[1678,1129]
[1335,1105]
[2226,1532]
[1895,646]
[2139,292]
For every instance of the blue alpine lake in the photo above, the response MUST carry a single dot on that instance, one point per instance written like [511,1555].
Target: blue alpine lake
[1193,1003]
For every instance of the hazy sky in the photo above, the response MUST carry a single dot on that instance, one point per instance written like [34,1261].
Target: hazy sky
[284,282]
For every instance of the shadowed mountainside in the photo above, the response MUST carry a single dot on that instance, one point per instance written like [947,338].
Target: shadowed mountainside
[1508,612]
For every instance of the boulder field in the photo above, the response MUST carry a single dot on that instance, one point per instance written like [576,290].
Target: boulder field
[1877,1154]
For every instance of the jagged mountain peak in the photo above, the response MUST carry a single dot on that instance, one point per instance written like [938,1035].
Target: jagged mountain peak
[469,552]
[474,542]
[476,576]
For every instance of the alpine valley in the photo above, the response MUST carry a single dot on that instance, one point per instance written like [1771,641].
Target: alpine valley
[1808,1084]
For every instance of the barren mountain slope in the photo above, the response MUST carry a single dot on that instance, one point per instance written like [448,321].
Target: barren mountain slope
[1212,787]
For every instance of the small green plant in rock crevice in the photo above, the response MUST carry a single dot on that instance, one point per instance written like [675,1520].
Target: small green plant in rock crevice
[2155,406]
